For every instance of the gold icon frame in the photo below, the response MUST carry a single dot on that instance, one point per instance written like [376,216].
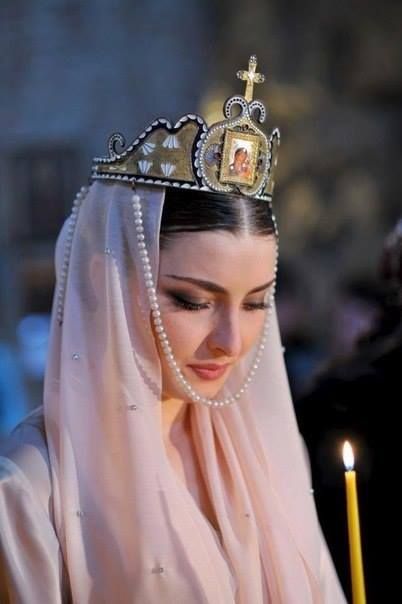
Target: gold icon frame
[239,158]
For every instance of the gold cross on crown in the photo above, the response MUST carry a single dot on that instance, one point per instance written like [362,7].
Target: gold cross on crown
[251,77]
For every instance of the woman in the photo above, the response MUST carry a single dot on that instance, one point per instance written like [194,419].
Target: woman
[166,464]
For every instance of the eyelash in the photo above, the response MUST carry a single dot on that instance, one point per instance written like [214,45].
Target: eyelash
[192,306]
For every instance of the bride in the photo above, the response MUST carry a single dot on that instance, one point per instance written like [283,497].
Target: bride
[165,463]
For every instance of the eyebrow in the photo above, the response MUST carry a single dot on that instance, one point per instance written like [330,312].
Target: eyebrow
[214,287]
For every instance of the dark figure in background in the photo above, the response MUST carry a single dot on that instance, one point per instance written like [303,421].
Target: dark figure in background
[358,399]
[303,354]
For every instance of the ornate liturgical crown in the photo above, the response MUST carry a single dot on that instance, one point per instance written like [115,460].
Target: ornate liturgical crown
[232,156]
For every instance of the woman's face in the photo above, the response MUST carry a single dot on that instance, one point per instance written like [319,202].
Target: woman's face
[213,289]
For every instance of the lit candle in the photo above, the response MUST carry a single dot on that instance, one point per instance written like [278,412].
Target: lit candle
[355,549]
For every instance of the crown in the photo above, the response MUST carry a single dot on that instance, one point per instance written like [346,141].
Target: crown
[231,156]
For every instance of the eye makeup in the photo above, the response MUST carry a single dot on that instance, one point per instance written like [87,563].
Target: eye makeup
[183,302]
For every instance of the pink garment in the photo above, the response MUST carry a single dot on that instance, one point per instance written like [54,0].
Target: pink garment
[128,529]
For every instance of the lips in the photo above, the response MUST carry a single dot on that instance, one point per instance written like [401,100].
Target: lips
[209,371]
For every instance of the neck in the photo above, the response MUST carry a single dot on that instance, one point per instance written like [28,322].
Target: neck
[173,416]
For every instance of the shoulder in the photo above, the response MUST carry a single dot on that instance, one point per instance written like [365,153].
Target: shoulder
[29,545]
[24,459]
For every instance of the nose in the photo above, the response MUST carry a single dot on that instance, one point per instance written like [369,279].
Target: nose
[226,336]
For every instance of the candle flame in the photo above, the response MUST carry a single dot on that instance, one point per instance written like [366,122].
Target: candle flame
[348,457]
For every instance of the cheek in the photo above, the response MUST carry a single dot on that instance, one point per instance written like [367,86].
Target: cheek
[253,324]
[189,332]
[186,332]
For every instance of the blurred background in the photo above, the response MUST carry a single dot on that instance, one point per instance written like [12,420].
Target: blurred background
[73,72]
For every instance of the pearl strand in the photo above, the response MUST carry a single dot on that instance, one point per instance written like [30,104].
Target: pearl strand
[160,330]
[67,251]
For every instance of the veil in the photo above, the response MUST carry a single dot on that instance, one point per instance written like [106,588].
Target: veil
[129,530]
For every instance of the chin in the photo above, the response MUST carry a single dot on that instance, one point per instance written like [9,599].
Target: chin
[210,391]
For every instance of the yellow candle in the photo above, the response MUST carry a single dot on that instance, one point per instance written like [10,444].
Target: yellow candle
[355,549]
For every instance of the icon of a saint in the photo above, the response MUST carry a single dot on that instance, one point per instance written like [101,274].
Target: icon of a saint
[241,163]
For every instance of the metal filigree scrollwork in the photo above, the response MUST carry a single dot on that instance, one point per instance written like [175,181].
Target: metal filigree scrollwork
[236,100]
[213,155]
[259,107]
[114,140]
[262,158]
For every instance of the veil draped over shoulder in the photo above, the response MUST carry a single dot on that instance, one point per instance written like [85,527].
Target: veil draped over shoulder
[129,529]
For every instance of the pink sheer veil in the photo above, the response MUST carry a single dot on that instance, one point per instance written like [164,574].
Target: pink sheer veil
[130,531]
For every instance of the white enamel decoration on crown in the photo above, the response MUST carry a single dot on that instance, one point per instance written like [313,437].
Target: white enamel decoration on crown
[168,168]
[144,166]
[147,148]
[171,142]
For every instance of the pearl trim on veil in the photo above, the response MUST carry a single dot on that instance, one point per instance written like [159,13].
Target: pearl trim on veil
[67,251]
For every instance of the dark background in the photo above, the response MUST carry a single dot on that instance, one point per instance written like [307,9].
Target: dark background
[73,72]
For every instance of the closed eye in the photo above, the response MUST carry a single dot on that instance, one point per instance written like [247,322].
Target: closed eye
[256,305]
[181,302]
[187,304]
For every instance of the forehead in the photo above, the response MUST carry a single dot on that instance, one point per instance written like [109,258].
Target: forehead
[219,256]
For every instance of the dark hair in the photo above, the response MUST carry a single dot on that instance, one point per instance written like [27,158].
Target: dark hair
[187,210]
